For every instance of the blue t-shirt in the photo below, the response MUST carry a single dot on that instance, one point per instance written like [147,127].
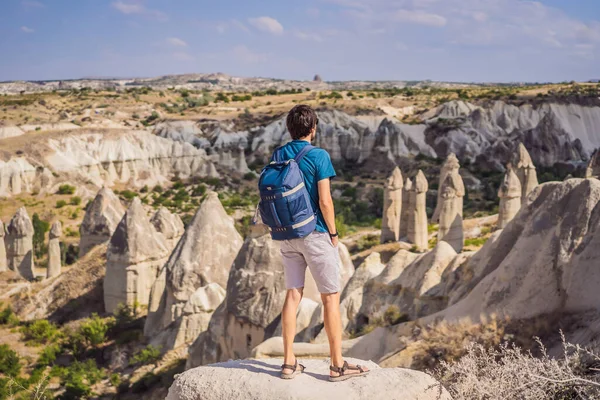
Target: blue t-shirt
[315,166]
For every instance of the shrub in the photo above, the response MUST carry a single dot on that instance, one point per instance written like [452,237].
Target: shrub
[66,189]
[199,190]
[128,194]
[393,316]
[249,176]
[508,372]
[8,317]
[40,331]
[115,380]
[93,330]
[39,233]
[61,203]
[78,379]
[10,363]
[48,355]
[158,189]
[148,355]
[75,201]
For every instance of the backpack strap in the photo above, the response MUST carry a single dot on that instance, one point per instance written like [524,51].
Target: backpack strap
[303,152]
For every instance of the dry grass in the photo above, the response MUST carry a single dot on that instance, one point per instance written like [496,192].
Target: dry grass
[508,372]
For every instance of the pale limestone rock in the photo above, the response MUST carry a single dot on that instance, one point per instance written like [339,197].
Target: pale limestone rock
[405,208]
[169,224]
[392,207]
[255,295]
[450,167]
[526,172]
[19,244]
[135,253]
[203,256]
[451,221]
[54,256]
[3,260]
[100,221]
[417,217]
[510,198]
[258,379]
[593,169]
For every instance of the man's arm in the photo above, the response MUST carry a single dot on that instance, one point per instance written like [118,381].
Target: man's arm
[326,206]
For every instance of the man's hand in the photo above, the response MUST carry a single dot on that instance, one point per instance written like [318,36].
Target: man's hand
[335,240]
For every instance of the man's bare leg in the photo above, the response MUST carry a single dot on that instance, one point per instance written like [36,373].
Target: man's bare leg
[288,325]
[333,328]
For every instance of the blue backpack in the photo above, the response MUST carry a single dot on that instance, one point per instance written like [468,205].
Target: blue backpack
[284,200]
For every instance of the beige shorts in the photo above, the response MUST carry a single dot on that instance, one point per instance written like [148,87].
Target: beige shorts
[320,255]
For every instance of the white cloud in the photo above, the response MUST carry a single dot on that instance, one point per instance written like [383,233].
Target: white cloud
[420,17]
[308,36]
[176,42]
[129,8]
[267,24]
[245,55]
[27,30]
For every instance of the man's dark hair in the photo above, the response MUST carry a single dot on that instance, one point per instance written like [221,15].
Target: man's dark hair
[301,120]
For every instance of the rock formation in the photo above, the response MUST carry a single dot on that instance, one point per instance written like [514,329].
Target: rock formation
[169,224]
[392,207]
[510,198]
[255,296]
[593,169]
[135,254]
[255,379]
[405,208]
[451,166]
[417,217]
[19,244]
[54,256]
[3,260]
[452,192]
[100,221]
[202,259]
[525,172]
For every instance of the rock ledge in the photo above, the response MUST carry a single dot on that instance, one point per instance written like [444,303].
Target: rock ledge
[259,379]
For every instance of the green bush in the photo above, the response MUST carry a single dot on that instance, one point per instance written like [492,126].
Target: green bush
[158,189]
[249,176]
[40,331]
[115,380]
[145,356]
[66,189]
[10,363]
[393,316]
[8,317]
[199,190]
[128,194]
[61,203]
[75,201]
[48,355]
[94,329]
[39,234]
[78,379]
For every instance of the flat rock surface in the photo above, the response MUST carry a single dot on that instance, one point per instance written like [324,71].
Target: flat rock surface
[259,379]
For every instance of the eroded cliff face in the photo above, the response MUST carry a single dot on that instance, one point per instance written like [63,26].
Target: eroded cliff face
[101,158]
[551,132]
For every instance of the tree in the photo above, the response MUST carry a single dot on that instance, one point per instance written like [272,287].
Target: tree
[39,234]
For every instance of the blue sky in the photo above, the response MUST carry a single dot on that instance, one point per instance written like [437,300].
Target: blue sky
[450,40]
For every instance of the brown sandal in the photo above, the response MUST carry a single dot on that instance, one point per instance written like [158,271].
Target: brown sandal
[294,368]
[342,372]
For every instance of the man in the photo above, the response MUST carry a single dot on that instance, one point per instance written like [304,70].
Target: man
[318,250]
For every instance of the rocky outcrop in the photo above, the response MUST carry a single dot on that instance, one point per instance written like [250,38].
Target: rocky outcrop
[405,208]
[525,172]
[452,192]
[593,169]
[169,224]
[54,254]
[101,219]
[3,260]
[392,207]
[19,244]
[417,216]
[451,166]
[560,275]
[203,256]
[510,198]
[255,296]
[258,379]
[135,254]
